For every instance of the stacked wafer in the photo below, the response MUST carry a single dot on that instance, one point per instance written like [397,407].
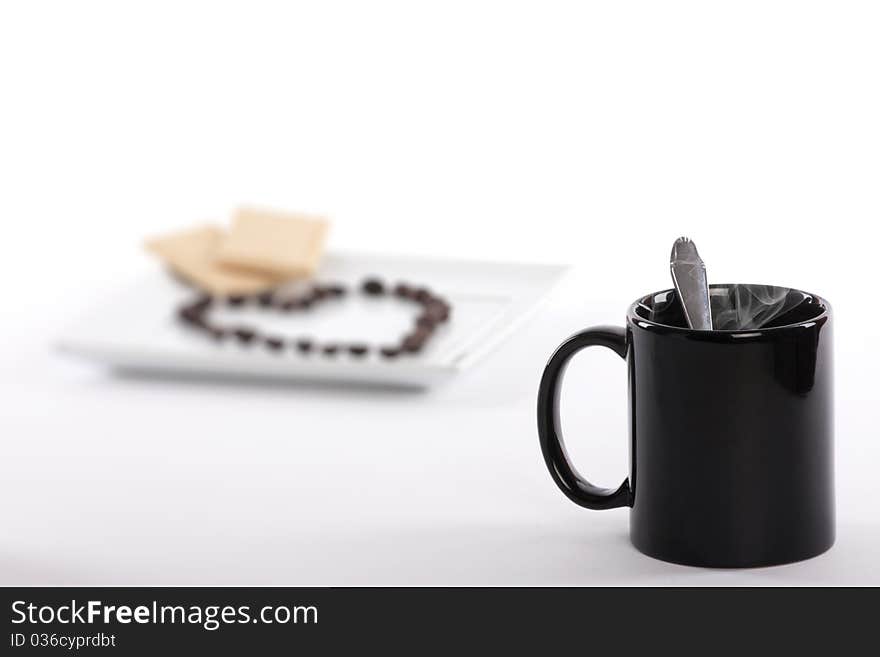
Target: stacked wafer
[261,250]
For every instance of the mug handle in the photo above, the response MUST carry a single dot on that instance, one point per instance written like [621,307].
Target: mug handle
[577,489]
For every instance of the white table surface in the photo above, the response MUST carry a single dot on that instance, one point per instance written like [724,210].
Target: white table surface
[109,480]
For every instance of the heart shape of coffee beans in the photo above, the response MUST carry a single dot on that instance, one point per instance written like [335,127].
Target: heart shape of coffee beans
[434,310]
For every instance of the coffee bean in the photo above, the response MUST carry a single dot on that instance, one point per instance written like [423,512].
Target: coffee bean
[202,303]
[426,320]
[423,295]
[373,287]
[358,349]
[417,339]
[273,343]
[412,346]
[192,316]
[244,334]
[435,310]
[413,343]
[438,311]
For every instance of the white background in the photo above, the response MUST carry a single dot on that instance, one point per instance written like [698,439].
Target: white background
[588,133]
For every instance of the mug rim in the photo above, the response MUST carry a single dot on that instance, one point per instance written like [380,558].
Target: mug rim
[634,319]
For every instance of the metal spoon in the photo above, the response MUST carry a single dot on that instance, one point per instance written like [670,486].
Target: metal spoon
[689,277]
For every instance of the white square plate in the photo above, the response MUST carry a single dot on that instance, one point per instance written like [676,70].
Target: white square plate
[137,330]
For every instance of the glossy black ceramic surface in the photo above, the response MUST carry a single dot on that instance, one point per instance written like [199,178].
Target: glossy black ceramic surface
[731,434]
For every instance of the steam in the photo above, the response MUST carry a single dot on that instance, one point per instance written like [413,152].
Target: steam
[738,307]
[744,307]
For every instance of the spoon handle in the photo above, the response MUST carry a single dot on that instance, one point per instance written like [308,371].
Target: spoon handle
[689,276]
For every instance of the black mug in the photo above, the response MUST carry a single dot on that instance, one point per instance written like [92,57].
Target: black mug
[731,432]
